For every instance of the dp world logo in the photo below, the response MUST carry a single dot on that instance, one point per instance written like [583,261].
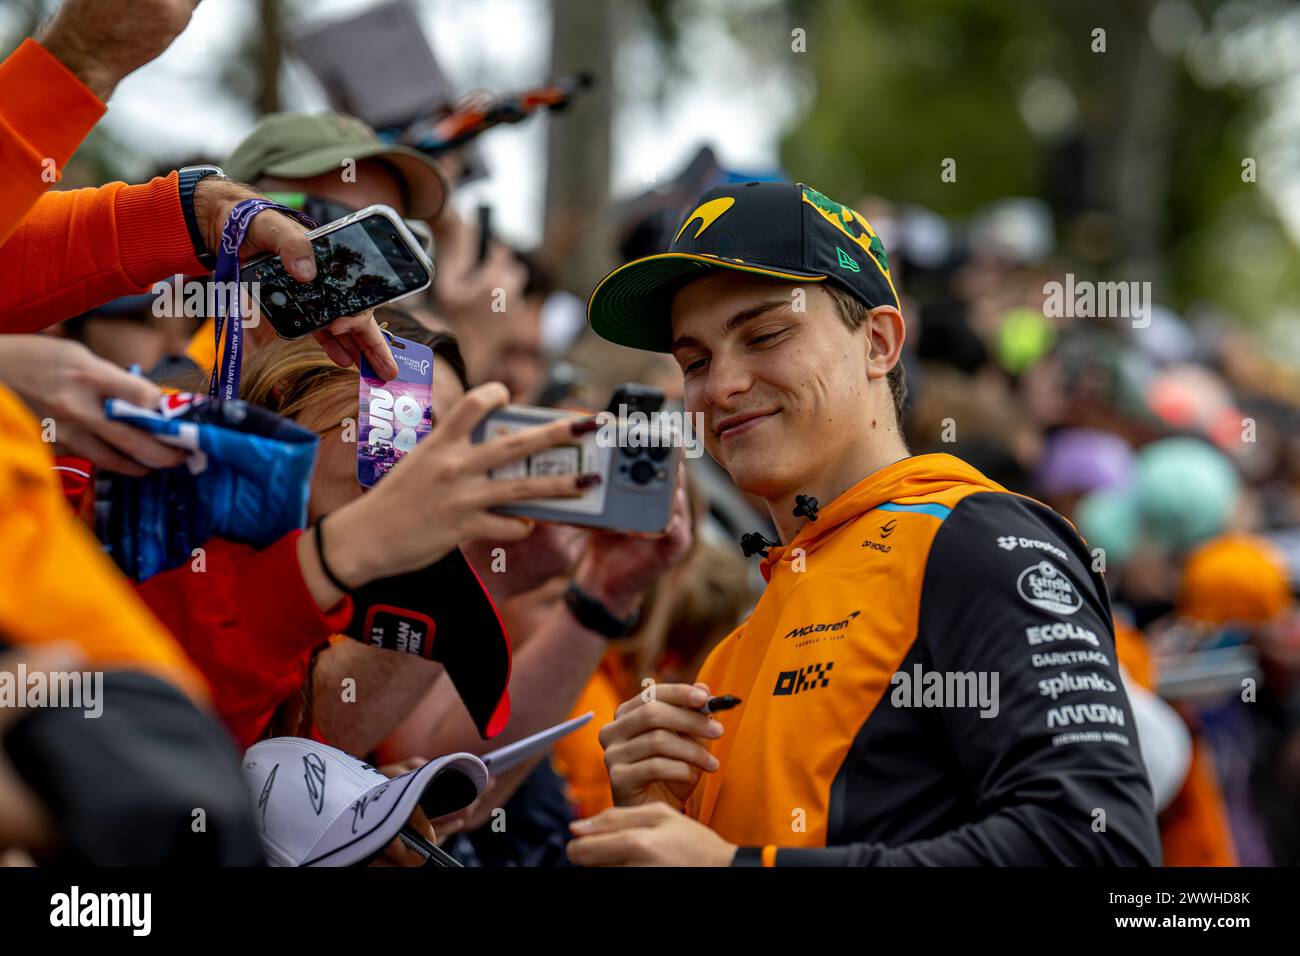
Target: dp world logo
[1044,586]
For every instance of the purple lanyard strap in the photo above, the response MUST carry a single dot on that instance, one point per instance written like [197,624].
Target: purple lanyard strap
[227,277]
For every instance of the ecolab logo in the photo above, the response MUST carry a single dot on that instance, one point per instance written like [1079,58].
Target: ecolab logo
[1060,631]
[818,628]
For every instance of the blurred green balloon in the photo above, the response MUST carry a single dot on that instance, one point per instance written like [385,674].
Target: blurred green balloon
[1024,337]
[1109,520]
[1186,490]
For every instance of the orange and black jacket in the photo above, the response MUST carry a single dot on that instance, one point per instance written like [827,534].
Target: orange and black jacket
[864,738]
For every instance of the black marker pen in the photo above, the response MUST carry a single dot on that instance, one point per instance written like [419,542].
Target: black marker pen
[717,704]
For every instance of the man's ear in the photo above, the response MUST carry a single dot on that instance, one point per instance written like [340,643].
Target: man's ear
[886,332]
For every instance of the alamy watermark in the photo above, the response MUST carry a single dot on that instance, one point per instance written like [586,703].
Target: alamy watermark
[178,297]
[77,690]
[663,429]
[946,689]
[1084,299]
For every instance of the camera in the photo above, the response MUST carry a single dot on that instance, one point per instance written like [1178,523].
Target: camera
[635,451]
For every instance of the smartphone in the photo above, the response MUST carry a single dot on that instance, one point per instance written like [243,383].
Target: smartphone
[639,477]
[363,260]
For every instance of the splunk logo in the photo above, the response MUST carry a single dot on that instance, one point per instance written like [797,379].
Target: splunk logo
[75,908]
[1067,683]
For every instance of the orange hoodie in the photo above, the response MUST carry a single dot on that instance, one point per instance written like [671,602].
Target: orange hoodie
[1194,828]
[66,252]
[58,585]
[927,571]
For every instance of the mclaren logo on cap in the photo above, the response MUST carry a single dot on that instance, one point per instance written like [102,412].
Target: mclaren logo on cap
[707,213]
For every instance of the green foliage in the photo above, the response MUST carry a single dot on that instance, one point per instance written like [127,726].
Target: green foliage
[901,87]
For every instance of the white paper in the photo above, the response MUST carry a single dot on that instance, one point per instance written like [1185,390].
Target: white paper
[519,751]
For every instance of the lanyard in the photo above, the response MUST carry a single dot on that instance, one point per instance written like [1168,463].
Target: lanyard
[225,382]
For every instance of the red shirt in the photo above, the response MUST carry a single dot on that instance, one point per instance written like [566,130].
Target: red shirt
[249,623]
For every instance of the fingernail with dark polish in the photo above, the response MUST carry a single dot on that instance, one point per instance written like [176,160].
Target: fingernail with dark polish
[587,481]
[584,426]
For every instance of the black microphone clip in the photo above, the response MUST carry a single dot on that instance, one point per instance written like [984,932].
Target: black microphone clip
[754,543]
[805,506]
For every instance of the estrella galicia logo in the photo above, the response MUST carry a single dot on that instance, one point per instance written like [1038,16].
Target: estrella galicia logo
[819,628]
[809,677]
[1044,586]
[314,773]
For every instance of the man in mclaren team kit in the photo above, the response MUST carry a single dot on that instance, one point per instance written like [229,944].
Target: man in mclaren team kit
[930,675]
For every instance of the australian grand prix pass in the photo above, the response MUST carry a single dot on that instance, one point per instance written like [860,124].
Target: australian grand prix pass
[394,416]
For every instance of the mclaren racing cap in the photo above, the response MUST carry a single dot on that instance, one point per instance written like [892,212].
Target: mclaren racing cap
[784,230]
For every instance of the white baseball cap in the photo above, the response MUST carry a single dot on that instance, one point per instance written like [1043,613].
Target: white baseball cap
[318,806]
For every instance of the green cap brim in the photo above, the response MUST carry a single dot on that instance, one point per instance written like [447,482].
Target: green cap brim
[425,182]
[632,306]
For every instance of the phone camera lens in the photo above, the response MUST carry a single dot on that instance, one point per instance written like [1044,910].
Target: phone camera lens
[279,299]
[658,452]
[643,472]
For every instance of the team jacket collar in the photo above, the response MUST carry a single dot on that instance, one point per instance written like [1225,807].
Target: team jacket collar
[915,477]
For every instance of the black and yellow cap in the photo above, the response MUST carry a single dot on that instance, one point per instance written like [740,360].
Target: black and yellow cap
[783,230]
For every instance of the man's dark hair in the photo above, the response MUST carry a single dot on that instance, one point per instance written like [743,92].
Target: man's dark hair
[854,314]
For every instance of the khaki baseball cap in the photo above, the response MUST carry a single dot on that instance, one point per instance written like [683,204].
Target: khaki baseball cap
[299,145]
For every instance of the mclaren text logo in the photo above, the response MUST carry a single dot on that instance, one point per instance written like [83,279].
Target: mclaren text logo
[821,628]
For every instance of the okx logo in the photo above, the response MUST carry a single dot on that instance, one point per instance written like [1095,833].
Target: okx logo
[805,678]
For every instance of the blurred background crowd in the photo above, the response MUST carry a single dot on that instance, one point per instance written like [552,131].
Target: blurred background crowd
[995,147]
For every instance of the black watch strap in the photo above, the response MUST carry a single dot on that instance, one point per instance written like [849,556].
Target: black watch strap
[187,179]
[594,616]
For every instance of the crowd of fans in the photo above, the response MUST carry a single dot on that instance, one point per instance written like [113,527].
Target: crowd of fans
[1171,445]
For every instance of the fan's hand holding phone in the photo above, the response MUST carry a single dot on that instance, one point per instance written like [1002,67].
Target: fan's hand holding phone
[635,495]
[363,261]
